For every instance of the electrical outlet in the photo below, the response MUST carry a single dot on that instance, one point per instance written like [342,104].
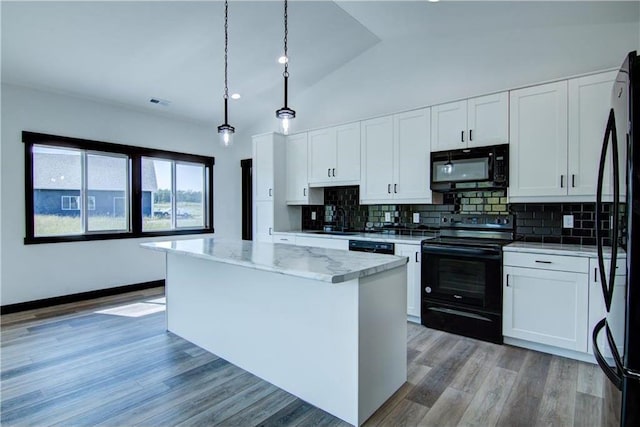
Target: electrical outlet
[313,215]
[416,217]
[567,221]
[387,217]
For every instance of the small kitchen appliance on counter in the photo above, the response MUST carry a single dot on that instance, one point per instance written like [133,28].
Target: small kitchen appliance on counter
[461,277]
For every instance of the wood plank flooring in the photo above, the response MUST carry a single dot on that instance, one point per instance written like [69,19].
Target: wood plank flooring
[110,362]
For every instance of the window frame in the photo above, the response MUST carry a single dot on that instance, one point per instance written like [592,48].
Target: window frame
[134,192]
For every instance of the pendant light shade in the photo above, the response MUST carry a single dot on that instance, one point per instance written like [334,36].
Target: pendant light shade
[225,130]
[285,114]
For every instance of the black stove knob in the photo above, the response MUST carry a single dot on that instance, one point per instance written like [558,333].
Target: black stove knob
[445,219]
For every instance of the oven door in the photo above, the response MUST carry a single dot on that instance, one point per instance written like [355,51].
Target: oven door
[462,275]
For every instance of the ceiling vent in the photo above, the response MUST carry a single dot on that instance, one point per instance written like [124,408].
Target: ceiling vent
[159,101]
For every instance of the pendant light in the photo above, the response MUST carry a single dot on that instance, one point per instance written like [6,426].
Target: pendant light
[285,113]
[225,130]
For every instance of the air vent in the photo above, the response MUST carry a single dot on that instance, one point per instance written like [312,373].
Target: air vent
[159,101]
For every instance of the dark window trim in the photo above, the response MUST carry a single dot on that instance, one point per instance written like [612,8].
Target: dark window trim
[135,154]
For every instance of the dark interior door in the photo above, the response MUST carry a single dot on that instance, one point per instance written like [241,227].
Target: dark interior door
[247,200]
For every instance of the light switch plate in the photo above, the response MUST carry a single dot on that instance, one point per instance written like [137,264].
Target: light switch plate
[387,216]
[567,221]
[313,215]
[416,217]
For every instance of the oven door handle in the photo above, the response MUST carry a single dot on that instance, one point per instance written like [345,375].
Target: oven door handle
[489,253]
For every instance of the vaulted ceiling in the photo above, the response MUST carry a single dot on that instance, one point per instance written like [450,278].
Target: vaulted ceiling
[128,52]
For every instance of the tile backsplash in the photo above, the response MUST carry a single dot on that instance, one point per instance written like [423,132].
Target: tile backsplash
[535,222]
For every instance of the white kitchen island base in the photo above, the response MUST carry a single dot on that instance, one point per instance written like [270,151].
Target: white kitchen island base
[339,346]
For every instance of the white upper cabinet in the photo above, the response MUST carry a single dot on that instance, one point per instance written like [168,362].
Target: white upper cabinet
[488,120]
[395,159]
[334,156]
[538,140]
[297,182]
[449,124]
[377,160]
[263,146]
[472,122]
[411,157]
[588,113]
[556,138]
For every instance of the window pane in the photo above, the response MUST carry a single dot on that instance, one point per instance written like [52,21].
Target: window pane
[107,184]
[57,180]
[156,194]
[189,195]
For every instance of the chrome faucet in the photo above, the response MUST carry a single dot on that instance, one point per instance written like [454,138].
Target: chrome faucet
[344,218]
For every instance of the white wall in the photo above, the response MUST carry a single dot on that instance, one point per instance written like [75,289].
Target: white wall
[404,74]
[31,272]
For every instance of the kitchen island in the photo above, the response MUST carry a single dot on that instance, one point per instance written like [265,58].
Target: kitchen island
[326,325]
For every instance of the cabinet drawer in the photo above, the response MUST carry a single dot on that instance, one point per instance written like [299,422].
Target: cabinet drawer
[288,239]
[547,262]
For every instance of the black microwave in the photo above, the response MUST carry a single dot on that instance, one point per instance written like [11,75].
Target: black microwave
[481,168]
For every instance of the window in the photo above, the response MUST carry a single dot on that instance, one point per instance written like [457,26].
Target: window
[86,190]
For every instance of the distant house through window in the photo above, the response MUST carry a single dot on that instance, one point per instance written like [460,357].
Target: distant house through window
[85,190]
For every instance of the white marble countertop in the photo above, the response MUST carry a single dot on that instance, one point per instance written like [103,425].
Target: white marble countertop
[378,237]
[328,265]
[560,249]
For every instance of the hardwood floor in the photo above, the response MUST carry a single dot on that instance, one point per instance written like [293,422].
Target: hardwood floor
[111,362]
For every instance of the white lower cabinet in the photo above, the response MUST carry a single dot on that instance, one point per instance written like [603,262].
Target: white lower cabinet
[597,308]
[413,276]
[546,307]
[263,221]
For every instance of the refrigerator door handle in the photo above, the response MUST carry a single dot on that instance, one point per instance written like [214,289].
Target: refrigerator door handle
[607,286]
[613,375]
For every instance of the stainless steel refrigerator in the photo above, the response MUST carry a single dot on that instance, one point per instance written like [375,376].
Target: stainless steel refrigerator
[619,357]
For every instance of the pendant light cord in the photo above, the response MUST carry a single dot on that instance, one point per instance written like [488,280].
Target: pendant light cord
[286,33]
[226,53]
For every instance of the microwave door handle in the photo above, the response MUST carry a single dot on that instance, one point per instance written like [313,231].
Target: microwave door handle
[606,290]
[613,375]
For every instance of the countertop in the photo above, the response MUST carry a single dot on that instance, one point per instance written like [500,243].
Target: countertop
[560,249]
[378,237]
[328,265]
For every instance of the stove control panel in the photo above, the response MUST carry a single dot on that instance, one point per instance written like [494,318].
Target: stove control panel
[480,221]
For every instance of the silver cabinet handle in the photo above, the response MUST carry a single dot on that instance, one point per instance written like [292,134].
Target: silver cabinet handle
[389,188]
[333,172]
[284,240]
[470,134]
[595,275]
[395,188]
[304,191]
[329,172]
[270,192]
[543,262]
[417,257]
[462,136]
[573,180]
[561,181]
[507,280]
[269,231]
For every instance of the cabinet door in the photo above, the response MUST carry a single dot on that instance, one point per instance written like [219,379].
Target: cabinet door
[377,160]
[413,277]
[488,120]
[538,141]
[263,217]
[448,126]
[411,156]
[547,307]
[322,155]
[598,310]
[263,167]
[589,103]
[347,161]
[296,168]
